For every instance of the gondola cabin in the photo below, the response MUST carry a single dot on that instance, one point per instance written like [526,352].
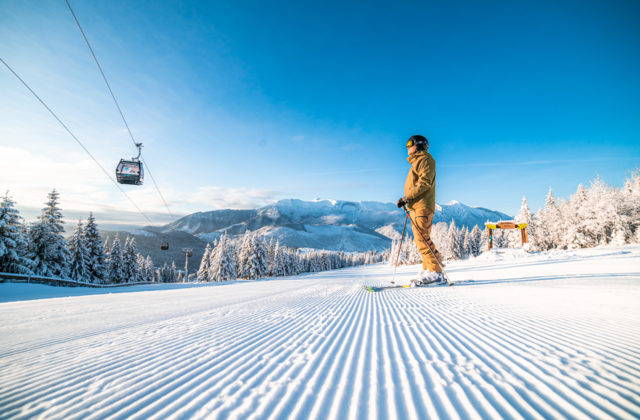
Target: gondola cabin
[164,246]
[130,172]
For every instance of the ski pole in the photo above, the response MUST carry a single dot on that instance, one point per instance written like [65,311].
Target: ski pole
[395,267]
[428,246]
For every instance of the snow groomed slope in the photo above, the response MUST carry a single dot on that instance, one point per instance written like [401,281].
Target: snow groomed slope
[545,336]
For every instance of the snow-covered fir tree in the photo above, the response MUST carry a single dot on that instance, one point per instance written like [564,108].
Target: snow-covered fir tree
[115,266]
[475,237]
[205,265]
[248,265]
[145,275]
[173,273]
[276,266]
[79,261]
[466,248]
[290,261]
[622,223]
[222,265]
[47,245]
[600,223]
[97,258]
[162,274]
[581,215]
[271,258]
[524,216]
[631,195]
[261,255]
[14,248]
[549,224]
[149,269]
[168,273]
[453,250]
[130,261]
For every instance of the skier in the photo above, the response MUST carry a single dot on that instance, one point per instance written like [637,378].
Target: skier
[420,199]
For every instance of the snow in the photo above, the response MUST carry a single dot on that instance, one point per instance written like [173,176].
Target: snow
[549,335]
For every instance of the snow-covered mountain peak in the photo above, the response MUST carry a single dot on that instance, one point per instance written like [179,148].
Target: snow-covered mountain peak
[323,223]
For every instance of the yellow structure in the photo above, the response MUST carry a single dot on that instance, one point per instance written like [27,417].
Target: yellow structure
[509,224]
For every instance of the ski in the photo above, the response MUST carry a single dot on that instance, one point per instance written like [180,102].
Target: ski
[403,286]
[381,288]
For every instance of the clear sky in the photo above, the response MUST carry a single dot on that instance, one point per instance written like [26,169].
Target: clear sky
[243,103]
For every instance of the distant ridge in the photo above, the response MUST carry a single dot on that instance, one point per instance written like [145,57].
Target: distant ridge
[321,224]
[299,215]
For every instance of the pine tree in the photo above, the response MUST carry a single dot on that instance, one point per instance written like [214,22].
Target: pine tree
[439,233]
[453,246]
[205,265]
[115,270]
[129,261]
[261,256]
[149,269]
[631,195]
[538,241]
[78,264]
[249,267]
[277,260]
[227,270]
[145,275]
[602,201]
[173,273]
[237,254]
[548,225]
[397,256]
[48,247]
[523,216]
[97,261]
[222,266]
[271,258]
[476,241]
[163,273]
[289,261]
[168,273]
[14,248]
[466,247]
[577,234]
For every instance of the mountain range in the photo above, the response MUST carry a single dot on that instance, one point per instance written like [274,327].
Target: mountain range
[321,224]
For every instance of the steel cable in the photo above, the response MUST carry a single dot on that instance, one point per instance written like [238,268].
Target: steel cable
[104,77]
[75,138]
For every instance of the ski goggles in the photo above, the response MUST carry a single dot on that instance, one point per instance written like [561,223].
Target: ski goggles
[411,142]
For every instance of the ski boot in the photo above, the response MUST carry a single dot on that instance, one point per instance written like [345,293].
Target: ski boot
[429,278]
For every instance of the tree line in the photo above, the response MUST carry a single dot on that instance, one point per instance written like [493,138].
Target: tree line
[41,249]
[593,216]
[253,257]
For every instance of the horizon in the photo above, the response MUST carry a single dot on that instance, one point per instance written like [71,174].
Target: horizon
[238,107]
[69,222]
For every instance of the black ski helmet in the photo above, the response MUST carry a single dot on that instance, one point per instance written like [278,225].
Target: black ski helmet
[418,140]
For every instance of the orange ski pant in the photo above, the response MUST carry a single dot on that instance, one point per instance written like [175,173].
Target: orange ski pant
[423,218]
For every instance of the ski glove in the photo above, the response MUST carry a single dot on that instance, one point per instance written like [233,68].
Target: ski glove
[402,202]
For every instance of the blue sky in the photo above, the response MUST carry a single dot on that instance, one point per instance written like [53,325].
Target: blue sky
[242,103]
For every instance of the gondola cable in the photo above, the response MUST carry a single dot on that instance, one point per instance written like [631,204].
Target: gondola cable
[74,137]
[113,96]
